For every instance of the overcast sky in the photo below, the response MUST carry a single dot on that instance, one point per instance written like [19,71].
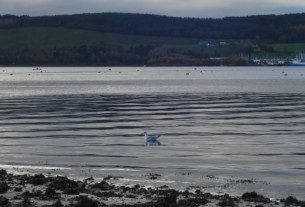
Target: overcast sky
[183,8]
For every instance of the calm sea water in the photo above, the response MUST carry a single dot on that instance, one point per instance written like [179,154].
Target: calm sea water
[223,129]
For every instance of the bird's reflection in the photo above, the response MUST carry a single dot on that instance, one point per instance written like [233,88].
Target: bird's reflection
[152,143]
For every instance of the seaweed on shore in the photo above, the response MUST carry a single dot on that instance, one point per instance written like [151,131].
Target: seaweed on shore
[57,191]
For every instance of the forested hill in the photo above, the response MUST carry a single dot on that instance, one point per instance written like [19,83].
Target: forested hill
[144,39]
[287,28]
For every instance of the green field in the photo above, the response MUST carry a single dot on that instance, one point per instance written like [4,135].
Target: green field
[47,37]
[51,37]
[282,50]
[293,47]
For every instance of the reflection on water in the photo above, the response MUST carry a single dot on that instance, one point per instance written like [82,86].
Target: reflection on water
[152,143]
[65,129]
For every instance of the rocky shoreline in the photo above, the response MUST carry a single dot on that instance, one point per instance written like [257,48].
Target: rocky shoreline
[58,191]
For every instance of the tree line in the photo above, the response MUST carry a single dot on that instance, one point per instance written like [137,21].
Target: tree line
[104,54]
[287,28]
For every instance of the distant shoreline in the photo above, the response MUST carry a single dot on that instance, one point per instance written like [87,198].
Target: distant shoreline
[140,66]
[126,39]
[50,191]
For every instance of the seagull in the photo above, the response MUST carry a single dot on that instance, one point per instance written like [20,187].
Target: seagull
[150,138]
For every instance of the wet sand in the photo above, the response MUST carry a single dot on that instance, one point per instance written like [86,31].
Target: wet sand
[50,190]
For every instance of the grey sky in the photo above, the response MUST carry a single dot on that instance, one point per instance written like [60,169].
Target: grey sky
[184,8]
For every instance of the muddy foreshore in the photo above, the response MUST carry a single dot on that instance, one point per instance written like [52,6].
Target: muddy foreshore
[57,191]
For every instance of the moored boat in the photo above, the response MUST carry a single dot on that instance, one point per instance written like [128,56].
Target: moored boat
[297,62]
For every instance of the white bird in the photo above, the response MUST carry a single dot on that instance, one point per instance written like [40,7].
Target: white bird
[152,138]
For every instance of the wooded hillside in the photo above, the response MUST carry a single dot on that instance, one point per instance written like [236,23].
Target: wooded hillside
[143,39]
[279,28]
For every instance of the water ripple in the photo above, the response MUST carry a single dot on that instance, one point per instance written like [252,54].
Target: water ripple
[206,133]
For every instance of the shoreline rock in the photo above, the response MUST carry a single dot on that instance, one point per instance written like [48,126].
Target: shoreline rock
[58,191]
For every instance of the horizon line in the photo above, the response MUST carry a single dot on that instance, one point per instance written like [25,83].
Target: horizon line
[134,13]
